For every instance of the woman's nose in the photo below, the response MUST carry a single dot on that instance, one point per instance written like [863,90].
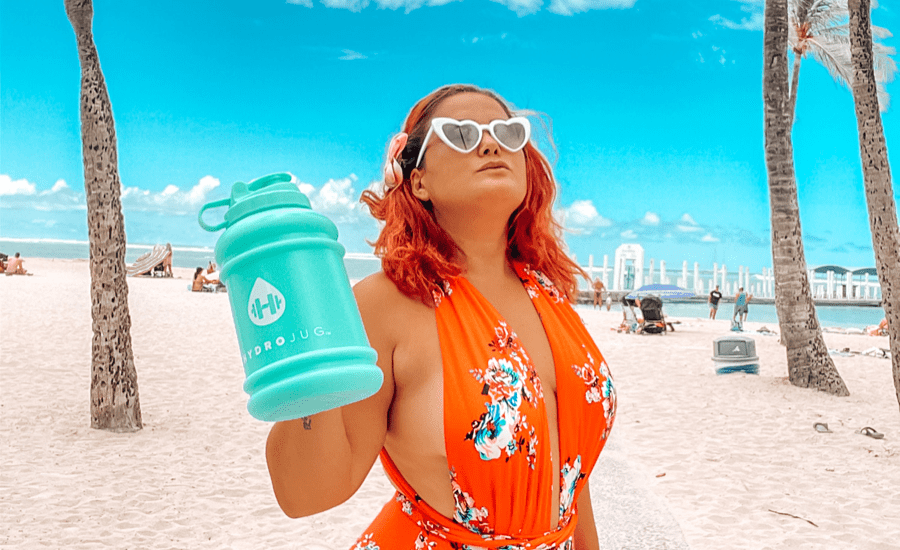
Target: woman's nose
[488,145]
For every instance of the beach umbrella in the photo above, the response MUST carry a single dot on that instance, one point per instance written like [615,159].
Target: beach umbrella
[661,291]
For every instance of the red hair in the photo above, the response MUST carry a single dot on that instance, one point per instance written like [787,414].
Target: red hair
[417,254]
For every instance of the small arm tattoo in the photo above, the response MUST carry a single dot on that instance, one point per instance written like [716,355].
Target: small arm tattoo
[307,422]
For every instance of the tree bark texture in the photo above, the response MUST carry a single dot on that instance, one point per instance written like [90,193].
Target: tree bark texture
[876,175]
[809,364]
[795,82]
[115,404]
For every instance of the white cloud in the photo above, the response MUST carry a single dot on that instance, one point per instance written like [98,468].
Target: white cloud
[198,193]
[628,234]
[9,186]
[688,224]
[650,218]
[570,7]
[350,55]
[46,223]
[337,199]
[22,194]
[521,7]
[352,5]
[754,22]
[171,200]
[697,35]
[60,185]
[581,217]
[708,238]
[688,228]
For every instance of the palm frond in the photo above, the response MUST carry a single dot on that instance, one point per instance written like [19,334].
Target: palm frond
[880,32]
[825,27]
[835,58]
[885,66]
[826,13]
[884,98]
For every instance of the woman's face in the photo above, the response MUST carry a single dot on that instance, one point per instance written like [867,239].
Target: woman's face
[489,179]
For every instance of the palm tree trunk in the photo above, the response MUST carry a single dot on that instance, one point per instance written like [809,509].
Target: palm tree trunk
[809,364]
[115,404]
[876,175]
[795,81]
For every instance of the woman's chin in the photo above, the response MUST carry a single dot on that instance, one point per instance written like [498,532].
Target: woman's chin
[499,194]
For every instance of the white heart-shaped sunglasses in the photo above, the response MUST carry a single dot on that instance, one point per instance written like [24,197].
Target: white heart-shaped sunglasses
[464,135]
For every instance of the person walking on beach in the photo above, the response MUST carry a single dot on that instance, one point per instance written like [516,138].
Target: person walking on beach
[496,401]
[598,292]
[741,300]
[713,301]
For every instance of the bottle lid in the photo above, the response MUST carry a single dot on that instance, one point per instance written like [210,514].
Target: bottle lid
[265,193]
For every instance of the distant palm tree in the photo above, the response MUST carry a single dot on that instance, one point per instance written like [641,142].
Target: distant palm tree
[822,28]
[115,404]
[809,364]
[876,175]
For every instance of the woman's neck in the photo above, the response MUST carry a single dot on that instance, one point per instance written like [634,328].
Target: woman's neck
[483,259]
[482,240]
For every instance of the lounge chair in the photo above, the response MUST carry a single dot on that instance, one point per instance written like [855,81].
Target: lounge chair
[146,263]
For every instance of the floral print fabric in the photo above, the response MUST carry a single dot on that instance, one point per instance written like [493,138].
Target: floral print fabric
[496,430]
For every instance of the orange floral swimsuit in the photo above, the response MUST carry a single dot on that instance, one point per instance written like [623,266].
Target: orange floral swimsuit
[496,430]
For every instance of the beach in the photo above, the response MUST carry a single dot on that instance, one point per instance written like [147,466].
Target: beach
[734,459]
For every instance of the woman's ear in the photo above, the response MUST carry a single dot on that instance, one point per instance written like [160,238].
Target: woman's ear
[417,182]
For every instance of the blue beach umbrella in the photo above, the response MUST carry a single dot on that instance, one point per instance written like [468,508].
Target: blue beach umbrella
[661,291]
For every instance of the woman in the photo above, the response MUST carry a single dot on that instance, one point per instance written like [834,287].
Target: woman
[466,421]
[598,292]
[201,283]
[212,274]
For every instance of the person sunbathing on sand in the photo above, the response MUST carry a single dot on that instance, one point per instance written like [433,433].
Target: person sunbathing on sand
[880,330]
[201,283]
[15,266]
[212,276]
[496,401]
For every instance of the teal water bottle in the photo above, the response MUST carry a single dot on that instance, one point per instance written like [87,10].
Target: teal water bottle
[301,337]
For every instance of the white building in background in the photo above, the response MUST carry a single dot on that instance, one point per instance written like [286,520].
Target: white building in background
[827,282]
[628,268]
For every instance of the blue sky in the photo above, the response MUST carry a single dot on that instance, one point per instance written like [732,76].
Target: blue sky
[656,109]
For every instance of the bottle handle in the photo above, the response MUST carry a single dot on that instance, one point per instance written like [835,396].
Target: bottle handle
[259,183]
[214,204]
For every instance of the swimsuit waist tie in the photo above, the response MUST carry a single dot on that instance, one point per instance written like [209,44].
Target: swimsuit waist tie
[437,525]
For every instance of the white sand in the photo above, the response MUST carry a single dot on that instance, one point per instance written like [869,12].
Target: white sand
[731,447]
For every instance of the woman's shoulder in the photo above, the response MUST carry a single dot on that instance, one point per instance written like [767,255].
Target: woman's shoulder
[376,287]
[379,299]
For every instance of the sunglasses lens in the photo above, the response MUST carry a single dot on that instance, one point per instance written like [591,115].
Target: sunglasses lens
[464,136]
[511,135]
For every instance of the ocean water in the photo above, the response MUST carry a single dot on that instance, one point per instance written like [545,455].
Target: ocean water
[358,265]
[829,316]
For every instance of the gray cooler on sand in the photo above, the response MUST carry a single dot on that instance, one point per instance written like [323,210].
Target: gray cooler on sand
[735,354]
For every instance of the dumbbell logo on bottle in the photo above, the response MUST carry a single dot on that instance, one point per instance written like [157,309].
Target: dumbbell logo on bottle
[266,303]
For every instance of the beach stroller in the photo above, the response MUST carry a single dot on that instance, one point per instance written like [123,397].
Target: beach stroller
[654,322]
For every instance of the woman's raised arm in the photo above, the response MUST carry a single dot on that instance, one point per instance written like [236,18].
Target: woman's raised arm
[320,461]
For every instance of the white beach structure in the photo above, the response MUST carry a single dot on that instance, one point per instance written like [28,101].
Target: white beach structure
[628,273]
[827,282]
